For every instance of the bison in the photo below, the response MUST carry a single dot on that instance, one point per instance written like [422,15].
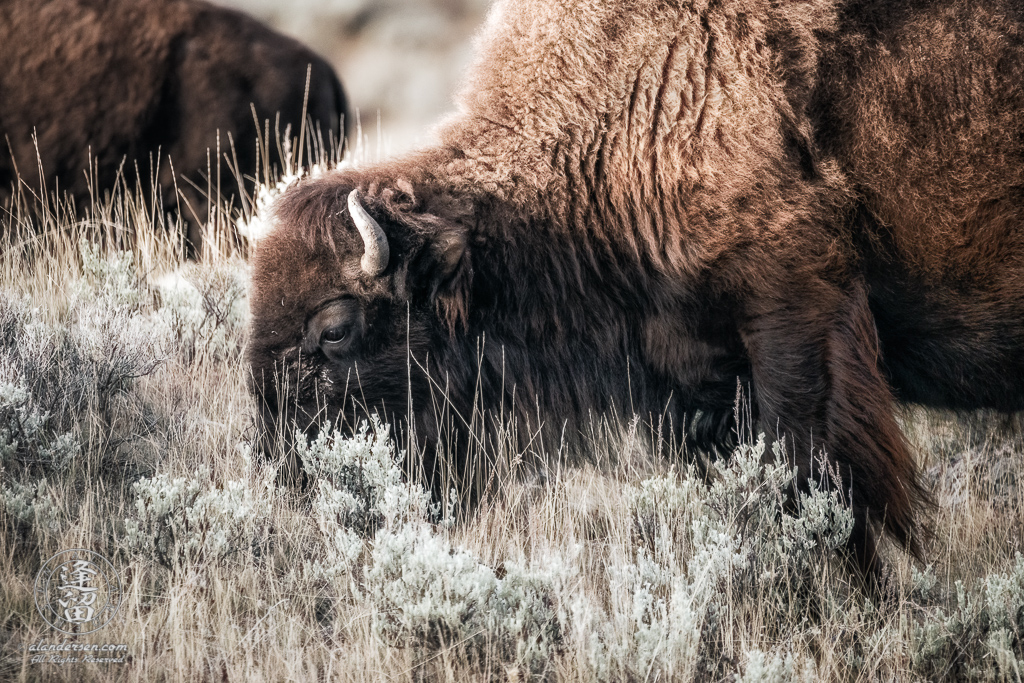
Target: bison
[105,88]
[641,205]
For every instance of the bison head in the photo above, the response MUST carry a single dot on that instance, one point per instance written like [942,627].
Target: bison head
[355,296]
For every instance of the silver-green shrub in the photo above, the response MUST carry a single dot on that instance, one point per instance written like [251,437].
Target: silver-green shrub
[24,434]
[427,593]
[748,538]
[203,311]
[981,638]
[359,489]
[763,667]
[185,522]
[109,279]
[359,481]
[526,604]
[76,368]
[30,506]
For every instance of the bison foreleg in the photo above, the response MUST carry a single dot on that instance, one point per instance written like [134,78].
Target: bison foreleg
[817,384]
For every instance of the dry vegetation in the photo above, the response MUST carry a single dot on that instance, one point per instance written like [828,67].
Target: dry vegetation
[126,428]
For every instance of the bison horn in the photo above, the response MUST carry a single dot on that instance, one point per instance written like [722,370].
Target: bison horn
[376,250]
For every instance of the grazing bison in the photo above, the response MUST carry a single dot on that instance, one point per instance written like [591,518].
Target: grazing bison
[643,203]
[119,83]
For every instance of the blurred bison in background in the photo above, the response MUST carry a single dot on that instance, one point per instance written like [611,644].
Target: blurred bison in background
[644,204]
[129,84]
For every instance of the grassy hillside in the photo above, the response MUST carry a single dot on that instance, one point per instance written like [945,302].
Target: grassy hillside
[126,429]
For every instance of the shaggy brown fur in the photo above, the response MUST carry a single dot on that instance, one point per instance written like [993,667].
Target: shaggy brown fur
[124,82]
[643,203]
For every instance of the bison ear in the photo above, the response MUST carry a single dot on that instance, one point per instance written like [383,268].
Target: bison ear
[448,249]
[444,273]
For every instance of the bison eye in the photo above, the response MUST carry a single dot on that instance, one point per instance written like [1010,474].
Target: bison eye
[336,334]
[334,330]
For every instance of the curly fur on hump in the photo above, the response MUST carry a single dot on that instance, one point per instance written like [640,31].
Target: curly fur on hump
[641,204]
[121,82]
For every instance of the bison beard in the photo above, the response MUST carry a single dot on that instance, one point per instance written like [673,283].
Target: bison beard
[102,90]
[643,204]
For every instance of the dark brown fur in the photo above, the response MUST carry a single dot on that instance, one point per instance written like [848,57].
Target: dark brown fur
[124,82]
[642,204]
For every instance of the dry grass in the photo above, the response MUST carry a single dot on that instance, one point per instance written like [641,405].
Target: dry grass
[623,569]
